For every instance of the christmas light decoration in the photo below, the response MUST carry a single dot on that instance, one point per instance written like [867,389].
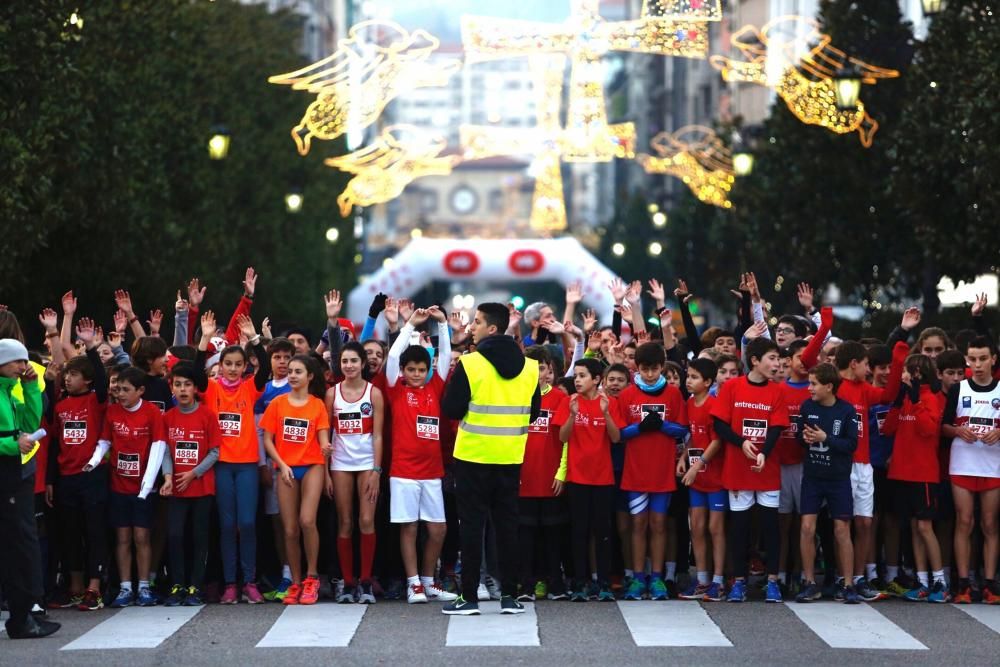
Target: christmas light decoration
[400,155]
[377,62]
[790,55]
[697,156]
[689,10]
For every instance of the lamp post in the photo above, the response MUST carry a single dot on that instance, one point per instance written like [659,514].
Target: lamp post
[847,86]
[218,145]
[933,7]
[294,200]
[743,159]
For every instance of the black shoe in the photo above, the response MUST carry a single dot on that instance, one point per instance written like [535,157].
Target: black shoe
[32,628]
[463,607]
[509,605]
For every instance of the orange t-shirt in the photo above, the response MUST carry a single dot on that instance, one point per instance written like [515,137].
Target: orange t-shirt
[235,412]
[295,428]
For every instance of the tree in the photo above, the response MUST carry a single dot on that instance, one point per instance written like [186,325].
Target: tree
[106,181]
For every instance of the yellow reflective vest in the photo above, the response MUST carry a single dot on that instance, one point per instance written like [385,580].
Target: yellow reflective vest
[495,428]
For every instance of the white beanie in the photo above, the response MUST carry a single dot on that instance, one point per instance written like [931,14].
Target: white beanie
[11,349]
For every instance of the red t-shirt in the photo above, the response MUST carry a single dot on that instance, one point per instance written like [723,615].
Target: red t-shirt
[709,479]
[750,410]
[863,395]
[131,435]
[79,421]
[917,428]
[589,457]
[416,421]
[651,458]
[189,439]
[543,451]
[788,448]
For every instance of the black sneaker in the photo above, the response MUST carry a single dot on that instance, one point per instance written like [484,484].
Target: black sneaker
[193,597]
[508,605]
[461,607]
[31,628]
[866,592]
[177,595]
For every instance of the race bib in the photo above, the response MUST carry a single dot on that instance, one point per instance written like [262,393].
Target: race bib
[186,453]
[880,416]
[294,430]
[755,430]
[74,432]
[647,409]
[231,424]
[540,425]
[861,425]
[792,430]
[428,428]
[128,465]
[349,423]
[694,455]
[980,425]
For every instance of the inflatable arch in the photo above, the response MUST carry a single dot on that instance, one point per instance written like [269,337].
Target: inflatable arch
[422,261]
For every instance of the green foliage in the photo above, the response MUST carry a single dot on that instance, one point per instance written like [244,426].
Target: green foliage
[105,180]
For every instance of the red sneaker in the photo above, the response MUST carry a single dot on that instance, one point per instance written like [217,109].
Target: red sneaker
[292,596]
[310,591]
[251,595]
[230,595]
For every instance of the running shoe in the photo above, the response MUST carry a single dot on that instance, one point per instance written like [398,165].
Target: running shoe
[963,595]
[605,594]
[508,605]
[394,591]
[636,591]
[695,591]
[527,596]
[366,594]
[939,593]
[878,584]
[310,591]
[493,587]
[415,594]
[176,597]
[482,592]
[292,595]
[541,590]
[348,594]
[146,598]
[459,607]
[194,598]
[230,595]
[867,592]
[841,594]
[438,594]
[579,593]
[125,599]
[63,600]
[558,595]
[896,589]
[738,593]
[278,594]
[251,595]
[92,601]
[851,595]
[593,590]
[919,594]
[714,593]
[991,592]
[658,590]
[810,592]
[773,592]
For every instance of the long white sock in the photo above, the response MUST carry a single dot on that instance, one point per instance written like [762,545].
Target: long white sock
[126,585]
[718,579]
[143,584]
[703,577]
[427,581]
[939,576]
[871,571]
[891,572]
[671,572]
[413,581]
[922,578]
[629,573]
[286,572]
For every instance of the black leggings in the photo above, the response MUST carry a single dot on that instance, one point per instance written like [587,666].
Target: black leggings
[590,509]
[84,539]
[739,539]
[200,511]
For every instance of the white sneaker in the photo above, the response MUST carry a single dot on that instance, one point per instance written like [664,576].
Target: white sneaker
[415,594]
[441,595]
[482,593]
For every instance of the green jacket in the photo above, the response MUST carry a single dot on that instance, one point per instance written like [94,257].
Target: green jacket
[17,416]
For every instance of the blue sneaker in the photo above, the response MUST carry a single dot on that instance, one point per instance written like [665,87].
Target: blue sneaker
[841,593]
[146,598]
[918,594]
[714,592]
[605,595]
[738,593]
[939,593]
[636,591]
[695,591]
[773,592]
[658,590]
[125,599]
[851,596]
[579,595]
[810,592]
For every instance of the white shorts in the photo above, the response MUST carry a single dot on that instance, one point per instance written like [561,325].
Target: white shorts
[791,489]
[740,501]
[415,500]
[863,489]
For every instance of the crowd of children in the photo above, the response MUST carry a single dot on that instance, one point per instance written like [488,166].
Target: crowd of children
[660,466]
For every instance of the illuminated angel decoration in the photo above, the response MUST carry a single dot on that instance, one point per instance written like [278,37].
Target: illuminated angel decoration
[377,62]
[697,156]
[400,155]
[790,55]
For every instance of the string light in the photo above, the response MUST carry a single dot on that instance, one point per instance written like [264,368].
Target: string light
[697,10]
[400,155]
[697,156]
[355,83]
[791,56]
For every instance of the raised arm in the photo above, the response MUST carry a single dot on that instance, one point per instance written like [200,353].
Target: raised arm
[243,307]
[124,302]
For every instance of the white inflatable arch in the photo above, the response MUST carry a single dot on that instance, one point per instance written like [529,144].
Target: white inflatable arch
[562,260]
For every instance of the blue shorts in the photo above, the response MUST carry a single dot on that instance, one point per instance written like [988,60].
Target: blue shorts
[129,511]
[639,502]
[716,501]
[298,472]
[836,492]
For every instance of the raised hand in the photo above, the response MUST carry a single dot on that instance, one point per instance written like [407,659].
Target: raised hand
[626,311]
[641,336]
[68,304]
[554,327]
[419,316]
[154,322]
[656,291]
[753,287]
[391,313]
[246,326]
[437,314]
[618,289]
[455,322]
[196,293]
[333,305]
[208,327]
[98,335]
[634,293]
[49,319]
[124,301]
[594,342]
[574,293]
[615,354]
[681,292]
[377,305]
[121,322]
[515,317]
[249,282]
[805,294]
[181,305]
[979,305]
[572,329]
[265,329]
[911,318]
[405,308]
[589,321]
[756,330]
[114,339]
[85,331]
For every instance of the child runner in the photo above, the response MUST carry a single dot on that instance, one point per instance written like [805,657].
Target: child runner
[790,454]
[616,378]
[297,438]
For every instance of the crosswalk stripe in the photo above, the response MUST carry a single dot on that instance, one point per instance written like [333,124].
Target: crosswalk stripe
[671,624]
[135,627]
[988,615]
[320,625]
[493,628]
[853,626]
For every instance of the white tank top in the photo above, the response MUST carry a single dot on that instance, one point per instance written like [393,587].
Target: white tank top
[353,425]
[980,411]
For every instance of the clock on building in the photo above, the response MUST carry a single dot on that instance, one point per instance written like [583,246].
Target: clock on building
[464,200]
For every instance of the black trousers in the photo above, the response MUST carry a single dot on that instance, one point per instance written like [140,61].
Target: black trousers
[590,510]
[181,513]
[482,491]
[20,557]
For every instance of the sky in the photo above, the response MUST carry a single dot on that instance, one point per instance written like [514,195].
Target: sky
[441,17]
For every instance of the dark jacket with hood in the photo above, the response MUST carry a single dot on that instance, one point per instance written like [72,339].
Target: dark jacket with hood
[508,360]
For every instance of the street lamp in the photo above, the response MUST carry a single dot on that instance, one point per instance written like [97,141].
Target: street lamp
[847,85]
[218,145]
[294,200]
[655,248]
[332,234]
[933,7]
[618,249]
[653,208]
[659,219]
[742,159]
